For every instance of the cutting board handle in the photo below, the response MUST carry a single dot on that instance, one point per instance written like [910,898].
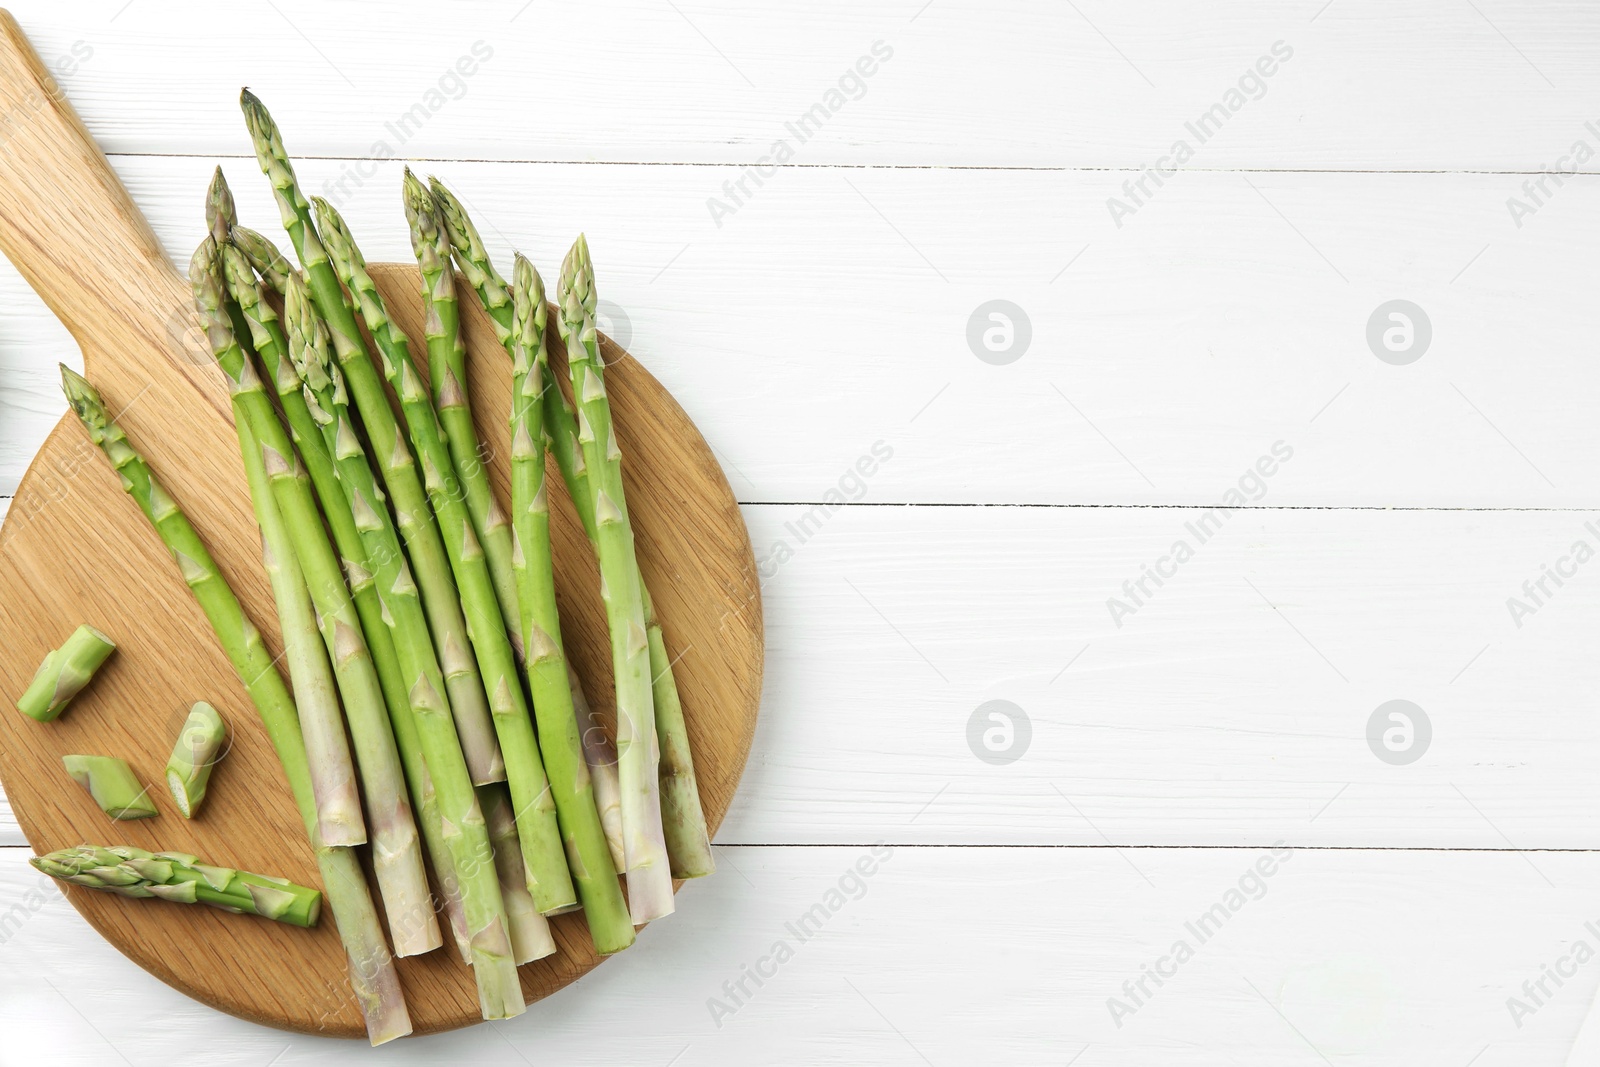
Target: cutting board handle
[69,226]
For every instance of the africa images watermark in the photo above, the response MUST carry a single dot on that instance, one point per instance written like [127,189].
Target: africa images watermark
[1251,885]
[18,915]
[1252,85]
[1536,192]
[1251,486]
[849,486]
[1537,992]
[63,66]
[448,86]
[851,85]
[850,886]
[1537,591]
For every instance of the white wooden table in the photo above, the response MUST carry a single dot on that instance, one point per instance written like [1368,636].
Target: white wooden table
[1207,332]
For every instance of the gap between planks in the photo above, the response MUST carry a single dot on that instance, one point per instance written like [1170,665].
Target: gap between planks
[1004,168]
[4,848]
[5,503]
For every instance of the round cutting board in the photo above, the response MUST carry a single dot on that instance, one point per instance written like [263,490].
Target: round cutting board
[74,548]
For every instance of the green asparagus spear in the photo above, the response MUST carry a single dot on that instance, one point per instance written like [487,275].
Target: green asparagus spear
[396,855]
[64,674]
[267,340]
[591,865]
[198,749]
[548,878]
[447,373]
[649,869]
[260,322]
[683,821]
[372,973]
[272,352]
[430,744]
[468,691]
[113,785]
[182,878]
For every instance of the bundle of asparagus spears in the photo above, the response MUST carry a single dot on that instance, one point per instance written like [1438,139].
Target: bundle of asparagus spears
[434,716]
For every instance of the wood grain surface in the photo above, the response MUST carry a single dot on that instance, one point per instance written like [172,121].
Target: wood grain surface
[75,549]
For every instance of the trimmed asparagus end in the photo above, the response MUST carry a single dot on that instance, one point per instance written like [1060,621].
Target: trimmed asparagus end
[65,672]
[200,746]
[112,784]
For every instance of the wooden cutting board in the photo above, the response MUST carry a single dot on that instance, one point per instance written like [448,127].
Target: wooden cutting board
[76,549]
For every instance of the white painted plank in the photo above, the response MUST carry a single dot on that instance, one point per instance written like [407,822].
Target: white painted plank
[1378,958]
[1231,708]
[1369,85]
[1230,313]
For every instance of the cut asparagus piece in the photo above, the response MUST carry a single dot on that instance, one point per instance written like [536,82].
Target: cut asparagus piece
[389,449]
[428,741]
[183,879]
[200,746]
[64,673]
[601,756]
[649,870]
[533,804]
[113,785]
[397,857]
[371,969]
[530,932]
[447,373]
[559,741]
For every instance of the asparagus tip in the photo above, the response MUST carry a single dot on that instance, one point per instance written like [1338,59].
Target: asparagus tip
[75,385]
[447,202]
[220,213]
[84,400]
[202,263]
[528,304]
